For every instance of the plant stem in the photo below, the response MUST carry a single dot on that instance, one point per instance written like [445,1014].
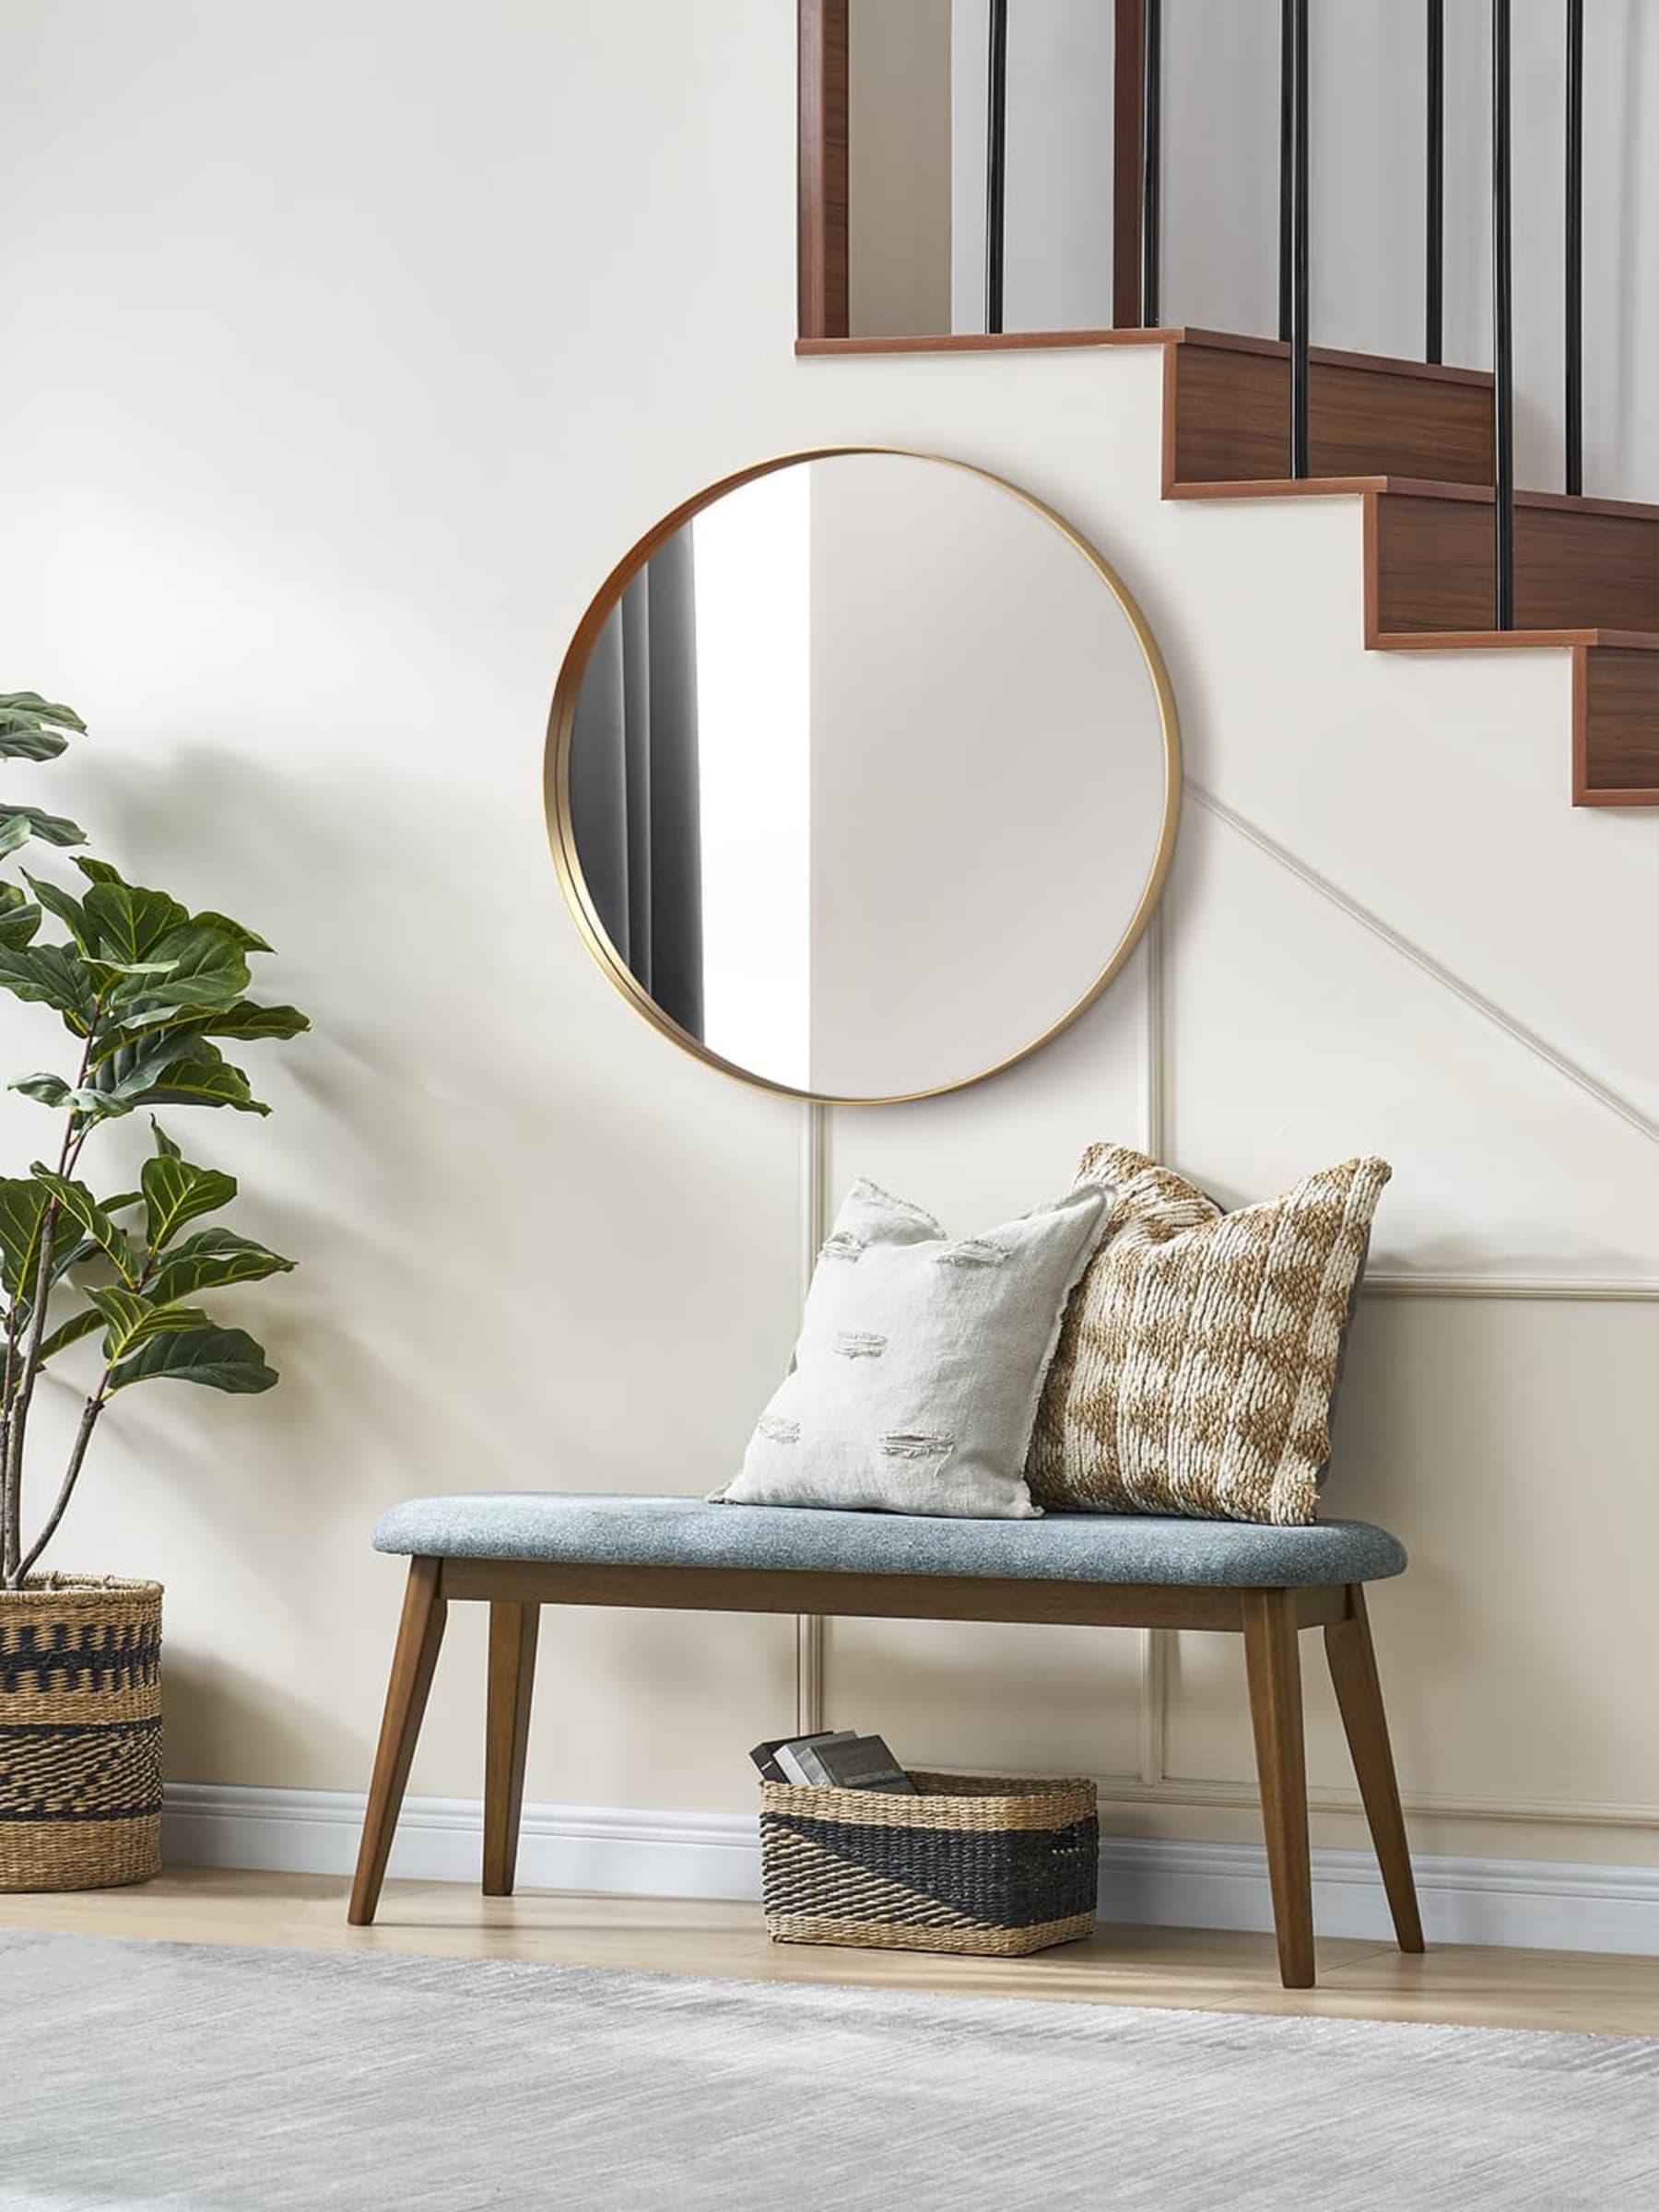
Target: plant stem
[16,1424]
[83,1437]
[11,1501]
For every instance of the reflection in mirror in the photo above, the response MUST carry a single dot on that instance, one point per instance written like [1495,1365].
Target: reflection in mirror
[866,779]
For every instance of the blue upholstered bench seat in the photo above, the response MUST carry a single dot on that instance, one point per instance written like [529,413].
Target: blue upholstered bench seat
[605,1531]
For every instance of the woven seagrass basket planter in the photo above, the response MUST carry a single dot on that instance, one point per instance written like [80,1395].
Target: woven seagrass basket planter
[80,1733]
[974,1863]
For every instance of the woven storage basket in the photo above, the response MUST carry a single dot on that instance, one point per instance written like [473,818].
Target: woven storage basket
[974,1862]
[80,1733]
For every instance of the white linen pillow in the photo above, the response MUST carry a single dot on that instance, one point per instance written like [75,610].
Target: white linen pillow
[920,1362]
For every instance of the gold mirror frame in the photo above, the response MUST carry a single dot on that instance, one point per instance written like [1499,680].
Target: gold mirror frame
[561,723]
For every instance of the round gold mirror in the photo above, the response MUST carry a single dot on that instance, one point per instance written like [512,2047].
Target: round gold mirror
[863,775]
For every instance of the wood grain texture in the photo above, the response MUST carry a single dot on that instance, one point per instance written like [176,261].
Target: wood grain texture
[1616,726]
[512,1684]
[1127,121]
[822,169]
[981,341]
[1222,1969]
[1584,566]
[1273,1665]
[1232,417]
[871,1596]
[419,1636]
[1353,1663]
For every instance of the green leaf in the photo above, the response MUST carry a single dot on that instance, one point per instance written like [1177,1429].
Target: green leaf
[128,1071]
[96,871]
[249,1020]
[68,909]
[248,939]
[19,918]
[52,976]
[120,1204]
[40,710]
[206,970]
[222,1359]
[71,1332]
[50,1090]
[90,1103]
[164,1144]
[201,1082]
[175,1192]
[56,828]
[131,922]
[134,1319]
[212,1260]
[23,1205]
[78,1202]
[22,739]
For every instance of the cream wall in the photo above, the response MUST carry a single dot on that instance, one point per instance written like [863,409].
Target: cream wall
[357,342]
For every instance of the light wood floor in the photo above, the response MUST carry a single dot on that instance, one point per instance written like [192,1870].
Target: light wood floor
[1194,1968]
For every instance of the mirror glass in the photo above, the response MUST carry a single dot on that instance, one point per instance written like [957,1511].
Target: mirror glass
[863,775]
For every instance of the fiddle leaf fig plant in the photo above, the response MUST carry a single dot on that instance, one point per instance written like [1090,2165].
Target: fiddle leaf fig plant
[146,991]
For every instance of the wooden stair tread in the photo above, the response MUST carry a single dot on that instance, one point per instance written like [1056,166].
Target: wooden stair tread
[1510,641]
[1228,341]
[1413,441]
[1412,488]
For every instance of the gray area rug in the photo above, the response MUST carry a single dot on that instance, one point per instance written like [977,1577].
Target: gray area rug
[143,2076]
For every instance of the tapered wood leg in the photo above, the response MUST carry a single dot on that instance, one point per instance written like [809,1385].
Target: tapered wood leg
[1359,1696]
[512,1631]
[419,1634]
[1271,1662]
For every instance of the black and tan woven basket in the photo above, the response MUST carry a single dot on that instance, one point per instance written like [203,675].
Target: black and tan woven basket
[974,1862]
[80,1733]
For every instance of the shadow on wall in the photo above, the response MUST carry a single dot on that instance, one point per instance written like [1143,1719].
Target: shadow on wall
[478,1152]
[214,1712]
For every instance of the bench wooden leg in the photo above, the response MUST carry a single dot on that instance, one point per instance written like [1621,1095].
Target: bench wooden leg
[419,1634]
[1272,1662]
[512,1632]
[1359,1696]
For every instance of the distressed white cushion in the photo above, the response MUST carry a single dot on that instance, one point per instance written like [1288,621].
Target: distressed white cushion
[920,1361]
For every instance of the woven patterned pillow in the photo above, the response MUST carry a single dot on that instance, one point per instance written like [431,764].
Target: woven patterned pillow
[1200,1351]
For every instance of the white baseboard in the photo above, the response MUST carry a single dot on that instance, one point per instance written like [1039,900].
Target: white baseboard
[1535,1903]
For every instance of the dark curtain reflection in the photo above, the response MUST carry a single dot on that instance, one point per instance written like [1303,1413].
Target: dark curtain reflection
[634,783]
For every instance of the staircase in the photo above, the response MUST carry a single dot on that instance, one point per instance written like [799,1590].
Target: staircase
[1415,442]
[1457,558]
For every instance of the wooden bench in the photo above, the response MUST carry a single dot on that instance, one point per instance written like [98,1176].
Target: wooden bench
[517,1552]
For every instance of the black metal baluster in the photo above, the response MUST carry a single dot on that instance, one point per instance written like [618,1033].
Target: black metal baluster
[1151,157]
[1287,160]
[1299,244]
[1434,187]
[1503,393]
[996,153]
[1575,245]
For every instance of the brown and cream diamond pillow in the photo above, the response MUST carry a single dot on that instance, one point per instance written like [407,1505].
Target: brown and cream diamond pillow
[1200,1351]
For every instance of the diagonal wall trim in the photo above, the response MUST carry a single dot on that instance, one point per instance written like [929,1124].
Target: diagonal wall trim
[1604,1096]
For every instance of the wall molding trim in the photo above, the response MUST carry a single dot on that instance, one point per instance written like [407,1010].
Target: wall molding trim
[1604,1094]
[1409,1282]
[814,1226]
[1531,1904]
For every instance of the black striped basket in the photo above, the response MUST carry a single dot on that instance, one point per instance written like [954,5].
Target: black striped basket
[974,1862]
[80,1733]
